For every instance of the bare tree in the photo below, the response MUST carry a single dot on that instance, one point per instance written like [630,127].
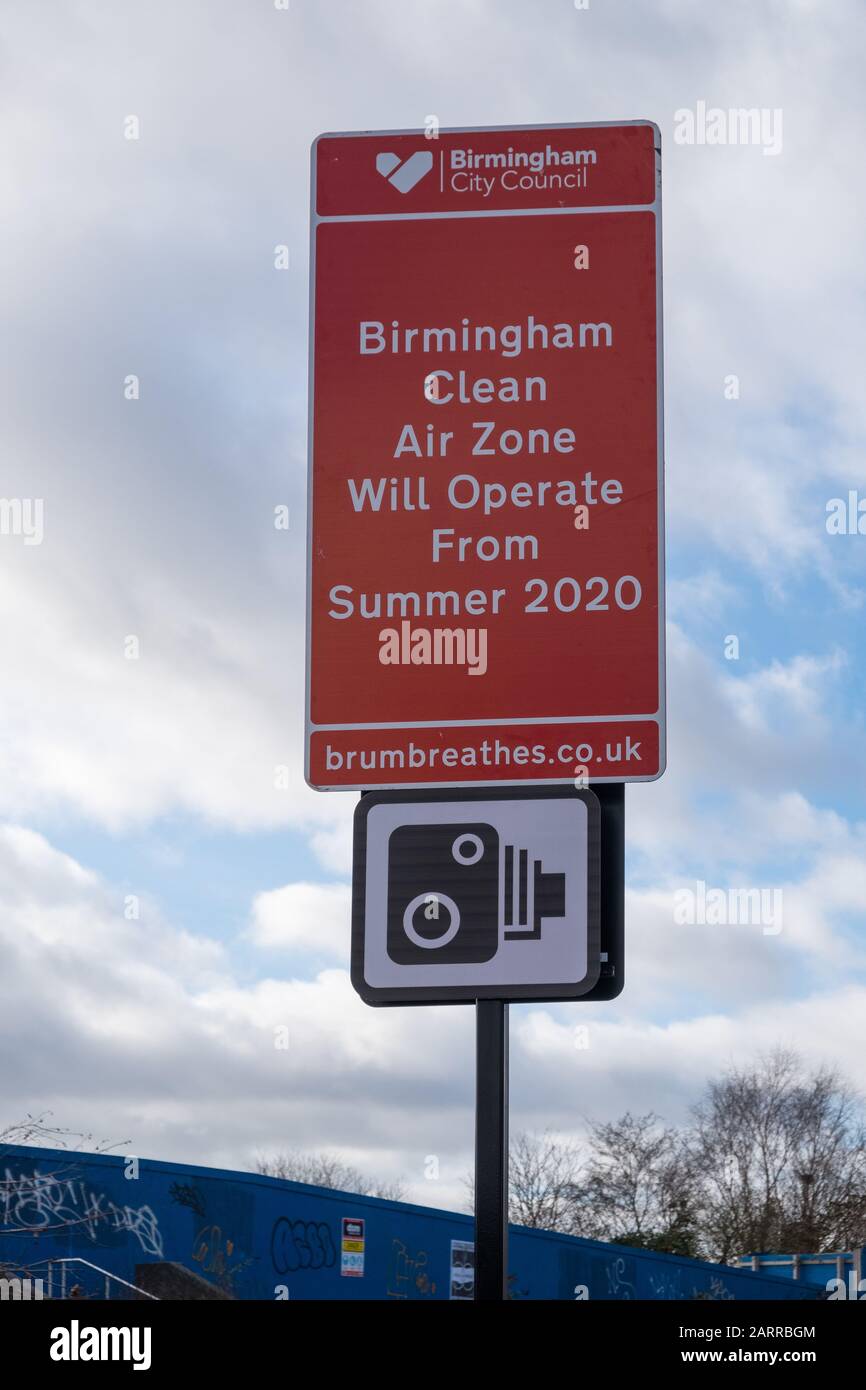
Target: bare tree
[327,1170]
[36,1130]
[637,1186]
[543,1171]
[780,1158]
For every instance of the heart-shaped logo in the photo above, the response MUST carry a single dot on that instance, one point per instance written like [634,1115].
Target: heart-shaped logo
[404,174]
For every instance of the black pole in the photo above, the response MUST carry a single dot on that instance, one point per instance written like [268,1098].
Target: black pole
[491,1149]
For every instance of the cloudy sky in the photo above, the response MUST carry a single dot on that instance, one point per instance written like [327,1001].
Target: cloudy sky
[148,786]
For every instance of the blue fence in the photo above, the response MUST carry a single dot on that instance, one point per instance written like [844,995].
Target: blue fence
[836,1271]
[263,1238]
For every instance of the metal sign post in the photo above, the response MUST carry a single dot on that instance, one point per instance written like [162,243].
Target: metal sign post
[491,1150]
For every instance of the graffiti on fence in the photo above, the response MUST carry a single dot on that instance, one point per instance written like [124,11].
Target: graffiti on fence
[617,1285]
[407,1274]
[187,1196]
[214,1252]
[41,1202]
[301,1245]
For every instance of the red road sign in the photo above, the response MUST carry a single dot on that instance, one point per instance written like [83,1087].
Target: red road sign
[486,562]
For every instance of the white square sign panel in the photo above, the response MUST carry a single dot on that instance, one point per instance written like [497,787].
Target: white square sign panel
[486,895]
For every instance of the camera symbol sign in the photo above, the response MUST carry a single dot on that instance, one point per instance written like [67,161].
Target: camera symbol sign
[493,895]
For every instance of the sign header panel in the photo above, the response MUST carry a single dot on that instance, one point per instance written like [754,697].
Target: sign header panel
[485,594]
[487,170]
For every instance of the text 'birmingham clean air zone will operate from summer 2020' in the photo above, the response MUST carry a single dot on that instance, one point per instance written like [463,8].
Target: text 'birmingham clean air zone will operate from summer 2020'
[485,539]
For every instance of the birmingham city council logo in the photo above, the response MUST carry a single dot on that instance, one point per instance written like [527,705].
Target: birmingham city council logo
[404,174]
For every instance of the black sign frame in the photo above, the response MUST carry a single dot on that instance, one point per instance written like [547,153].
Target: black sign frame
[605,893]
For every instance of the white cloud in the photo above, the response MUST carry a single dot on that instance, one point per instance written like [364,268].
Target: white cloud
[307,918]
[700,598]
[136,1031]
[744,752]
[638,1065]
[794,687]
